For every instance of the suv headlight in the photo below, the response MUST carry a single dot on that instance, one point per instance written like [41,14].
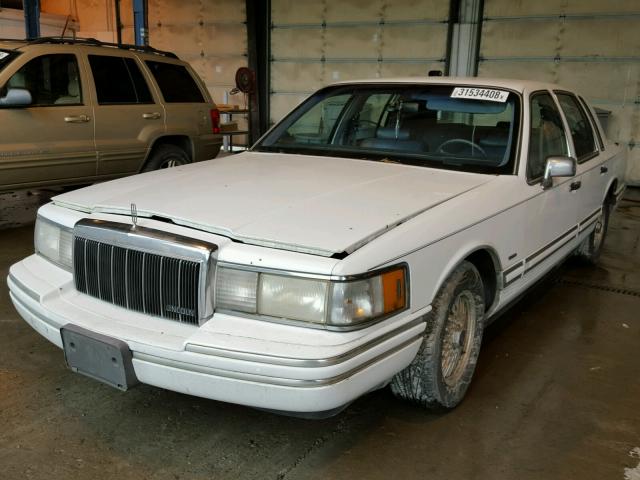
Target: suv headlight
[54,242]
[336,303]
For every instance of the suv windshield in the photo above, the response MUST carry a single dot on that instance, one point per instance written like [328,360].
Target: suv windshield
[442,126]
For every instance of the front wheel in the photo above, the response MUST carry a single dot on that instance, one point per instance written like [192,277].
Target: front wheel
[441,372]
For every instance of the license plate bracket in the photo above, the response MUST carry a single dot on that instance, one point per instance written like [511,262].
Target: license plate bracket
[98,356]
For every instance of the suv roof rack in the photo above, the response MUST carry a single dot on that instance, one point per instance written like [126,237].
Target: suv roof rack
[97,43]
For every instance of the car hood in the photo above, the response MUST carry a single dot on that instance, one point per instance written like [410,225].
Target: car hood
[318,205]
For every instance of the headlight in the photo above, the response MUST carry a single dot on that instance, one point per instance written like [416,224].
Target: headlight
[317,301]
[54,242]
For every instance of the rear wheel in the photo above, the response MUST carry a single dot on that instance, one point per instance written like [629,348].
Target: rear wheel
[441,372]
[166,156]
[591,248]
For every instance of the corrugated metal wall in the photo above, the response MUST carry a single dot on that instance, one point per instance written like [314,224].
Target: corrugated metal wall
[209,34]
[320,42]
[590,45]
[95,18]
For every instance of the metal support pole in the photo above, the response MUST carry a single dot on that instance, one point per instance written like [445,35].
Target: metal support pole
[118,21]
[258,43]
[465,39]
[31,18]
[140,22]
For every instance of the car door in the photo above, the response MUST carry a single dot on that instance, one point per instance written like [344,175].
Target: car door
[50,140]
[551,213]
[127,116]
[590,177]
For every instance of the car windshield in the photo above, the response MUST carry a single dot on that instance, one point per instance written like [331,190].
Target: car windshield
[5,58]
[442,126]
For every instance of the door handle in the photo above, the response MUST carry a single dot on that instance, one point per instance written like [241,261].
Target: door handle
[77,118]
[575,185]
[151,116]
[603,169]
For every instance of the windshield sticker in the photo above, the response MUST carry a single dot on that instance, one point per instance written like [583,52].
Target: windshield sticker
[3,55]
[480,94]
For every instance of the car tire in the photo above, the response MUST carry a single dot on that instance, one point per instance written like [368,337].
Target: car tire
[166,156]
[435,380]
[591,247]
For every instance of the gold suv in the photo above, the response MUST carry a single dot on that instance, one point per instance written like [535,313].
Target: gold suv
[80,111]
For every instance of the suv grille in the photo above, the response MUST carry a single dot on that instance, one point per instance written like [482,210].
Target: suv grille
[109,265]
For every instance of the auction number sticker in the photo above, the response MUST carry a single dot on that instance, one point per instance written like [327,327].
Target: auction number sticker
[480,94]
[3,55]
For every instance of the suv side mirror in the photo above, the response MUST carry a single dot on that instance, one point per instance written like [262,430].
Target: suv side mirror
[16,97]
[558,166]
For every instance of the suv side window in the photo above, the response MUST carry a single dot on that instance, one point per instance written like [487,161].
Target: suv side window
[175,82]
[118,81]
[579,126]
[547,136]
[51,80]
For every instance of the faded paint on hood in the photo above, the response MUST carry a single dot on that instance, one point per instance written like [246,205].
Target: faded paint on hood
[318,205]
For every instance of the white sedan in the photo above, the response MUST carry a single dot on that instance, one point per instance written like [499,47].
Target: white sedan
[367,239]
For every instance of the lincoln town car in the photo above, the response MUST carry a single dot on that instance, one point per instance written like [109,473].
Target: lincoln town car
[365,241]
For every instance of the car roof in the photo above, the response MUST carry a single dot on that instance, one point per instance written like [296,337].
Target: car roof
[85,44]
[519,86]
[9,44]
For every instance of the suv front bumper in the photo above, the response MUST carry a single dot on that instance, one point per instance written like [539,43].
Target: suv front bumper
[231,359]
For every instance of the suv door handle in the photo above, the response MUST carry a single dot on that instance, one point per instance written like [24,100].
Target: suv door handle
[77,118]
[575,185]
[151,116]
[603,169]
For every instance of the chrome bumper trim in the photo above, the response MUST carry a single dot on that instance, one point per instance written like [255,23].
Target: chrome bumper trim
[283,382]
[301,362]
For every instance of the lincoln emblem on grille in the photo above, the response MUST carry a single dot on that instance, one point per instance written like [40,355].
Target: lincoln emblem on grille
[134,215]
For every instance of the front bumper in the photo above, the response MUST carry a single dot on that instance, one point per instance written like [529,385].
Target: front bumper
[231,359]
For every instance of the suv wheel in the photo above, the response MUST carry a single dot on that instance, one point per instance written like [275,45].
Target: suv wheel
[166,156]
[441,372]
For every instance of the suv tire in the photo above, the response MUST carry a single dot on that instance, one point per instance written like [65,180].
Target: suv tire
[441,372]
[166,156]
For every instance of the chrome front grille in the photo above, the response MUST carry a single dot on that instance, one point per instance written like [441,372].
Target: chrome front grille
[143,270]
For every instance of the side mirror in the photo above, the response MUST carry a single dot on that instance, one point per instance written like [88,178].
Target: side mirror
[558,166]
[16,97]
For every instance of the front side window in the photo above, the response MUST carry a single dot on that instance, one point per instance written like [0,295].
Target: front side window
[175,82]
[547,135]
[426,125]
[579,125]
[118,81]
[50,79]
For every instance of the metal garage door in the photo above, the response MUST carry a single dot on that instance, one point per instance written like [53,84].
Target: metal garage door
[209,34]
[320,42]
[590,45]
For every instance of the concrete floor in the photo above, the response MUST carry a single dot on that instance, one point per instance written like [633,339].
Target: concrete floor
[556,396]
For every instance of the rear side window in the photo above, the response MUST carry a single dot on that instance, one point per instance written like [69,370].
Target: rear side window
[176,83]
[579,125]
[118,81]
[51,80]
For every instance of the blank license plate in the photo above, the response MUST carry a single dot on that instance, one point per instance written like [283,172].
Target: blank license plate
[102,358]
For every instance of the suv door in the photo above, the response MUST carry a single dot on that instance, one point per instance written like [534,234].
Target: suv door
[591,178]
[550,226]
[128,117]
[50,141]
[186,105]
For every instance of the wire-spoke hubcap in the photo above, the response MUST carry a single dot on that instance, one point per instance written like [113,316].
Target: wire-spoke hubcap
[598,233]
[459,331]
